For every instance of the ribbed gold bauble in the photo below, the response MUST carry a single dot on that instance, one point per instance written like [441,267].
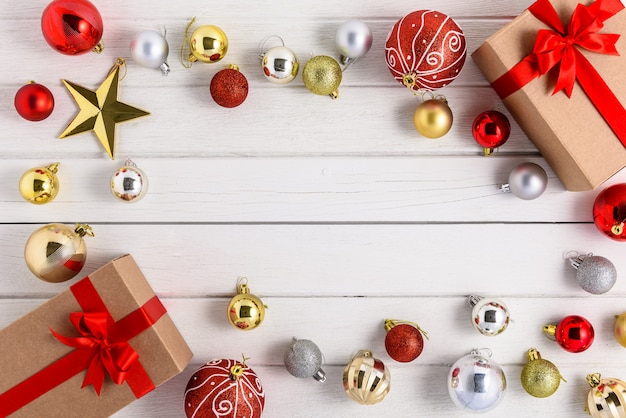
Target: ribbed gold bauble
[365,379]
[322,75]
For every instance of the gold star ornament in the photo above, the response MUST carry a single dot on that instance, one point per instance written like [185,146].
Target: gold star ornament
[100,111]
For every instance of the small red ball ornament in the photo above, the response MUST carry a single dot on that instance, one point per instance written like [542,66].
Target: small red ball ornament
[609,211]
[574,333]
[491,129]
[34,102]
[404,341]
[425,49]
[72,27]
[226,389]
[229,87]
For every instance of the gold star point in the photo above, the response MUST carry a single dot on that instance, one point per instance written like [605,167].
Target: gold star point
[100,111]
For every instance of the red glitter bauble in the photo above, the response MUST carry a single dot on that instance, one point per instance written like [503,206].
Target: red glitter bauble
[609,212]
[491,129]
[574,333]
[425,49]
[224,388]
[34,102]
[404,342]
[229,87]
[72,27]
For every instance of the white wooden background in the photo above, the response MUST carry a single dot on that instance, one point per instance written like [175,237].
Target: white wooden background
[338,212]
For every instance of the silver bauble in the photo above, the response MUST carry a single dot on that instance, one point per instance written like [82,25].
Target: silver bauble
[476,383]
[527,181]
[594,274]
[129,183]
[490,316]
[279,64]
[304,359]
[353,39]
[150,49]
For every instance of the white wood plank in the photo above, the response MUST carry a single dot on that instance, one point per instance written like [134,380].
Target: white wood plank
[335,260]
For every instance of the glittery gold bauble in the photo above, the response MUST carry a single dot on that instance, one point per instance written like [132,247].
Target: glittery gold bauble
[433,118]
[56,252]
[322,75]
[208,44]
[619,329]
[606,398]
[540,378]
[40,185]
[245,311]
[365,379]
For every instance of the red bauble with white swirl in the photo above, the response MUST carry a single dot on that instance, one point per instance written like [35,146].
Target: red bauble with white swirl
[425,49]
[226,389]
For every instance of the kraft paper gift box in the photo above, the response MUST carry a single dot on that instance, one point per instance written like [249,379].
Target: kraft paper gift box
[44,377]
[570,133]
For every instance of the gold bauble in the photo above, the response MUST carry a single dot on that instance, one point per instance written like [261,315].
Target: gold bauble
[56,252]
[619,329]
[433,118]
[540,378]
[40,185]
[606,398]
[245,310]
[322,75]
[208,44]
[365,379]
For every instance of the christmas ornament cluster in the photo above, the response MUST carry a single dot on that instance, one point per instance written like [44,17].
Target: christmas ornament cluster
[424,51]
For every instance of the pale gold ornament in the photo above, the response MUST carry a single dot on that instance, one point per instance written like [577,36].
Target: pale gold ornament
[40,185]
[366,380]
[540,378]
[606,398]
[619,329]
[207,44]
[245,310]
[433,118]
[56,252]
[322,75]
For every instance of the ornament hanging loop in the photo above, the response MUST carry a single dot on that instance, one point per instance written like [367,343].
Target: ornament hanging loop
[479,352]
[119,63]
[577,259]
[264,42]
[190,58]
[390,323]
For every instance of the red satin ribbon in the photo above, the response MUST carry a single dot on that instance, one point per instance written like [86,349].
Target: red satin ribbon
[101,347]
[557,49]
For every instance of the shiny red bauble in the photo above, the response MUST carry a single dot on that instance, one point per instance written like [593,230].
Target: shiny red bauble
[426,49]
[609,211]
[574,333]
[491,129]
[72,27]
[404,342]
[226,389]
[34,102]
[229,87]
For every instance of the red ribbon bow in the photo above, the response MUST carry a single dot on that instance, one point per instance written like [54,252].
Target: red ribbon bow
[106,352]
[558,48]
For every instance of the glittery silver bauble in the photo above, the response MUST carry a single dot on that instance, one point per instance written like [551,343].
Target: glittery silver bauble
[490,316]
[280,65]
[527,181]
[150,49]
[353,39]
[129,183]
[594,274]
[476,383]
[304,359]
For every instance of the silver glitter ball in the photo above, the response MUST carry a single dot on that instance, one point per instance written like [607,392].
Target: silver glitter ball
[303,358]
[527,181]
[280,65]
[353,39]
[594,274]
[150,49]
[490,316]
[476,383]
[129,183]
